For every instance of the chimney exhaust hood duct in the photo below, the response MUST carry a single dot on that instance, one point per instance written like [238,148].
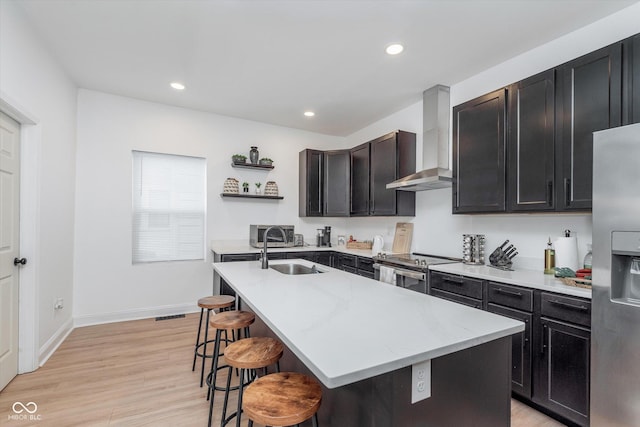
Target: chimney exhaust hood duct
[435,144]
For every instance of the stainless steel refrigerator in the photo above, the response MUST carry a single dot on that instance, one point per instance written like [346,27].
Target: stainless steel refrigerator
[615,321]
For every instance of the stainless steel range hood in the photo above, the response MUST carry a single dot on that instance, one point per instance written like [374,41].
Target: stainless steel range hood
[435,171]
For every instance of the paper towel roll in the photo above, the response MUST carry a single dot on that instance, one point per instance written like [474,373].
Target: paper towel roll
[567,252]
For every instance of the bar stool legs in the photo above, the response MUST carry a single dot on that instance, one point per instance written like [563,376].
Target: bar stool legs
[229,320]
[221,302]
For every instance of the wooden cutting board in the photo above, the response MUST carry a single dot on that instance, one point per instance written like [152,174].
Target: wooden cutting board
[402,238]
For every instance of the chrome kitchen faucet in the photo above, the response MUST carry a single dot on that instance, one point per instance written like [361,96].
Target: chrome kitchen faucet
[263,253]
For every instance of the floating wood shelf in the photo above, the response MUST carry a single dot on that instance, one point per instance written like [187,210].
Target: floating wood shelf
[251,166]
[251,196]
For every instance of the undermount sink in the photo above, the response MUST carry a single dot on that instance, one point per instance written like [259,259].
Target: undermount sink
[295,269]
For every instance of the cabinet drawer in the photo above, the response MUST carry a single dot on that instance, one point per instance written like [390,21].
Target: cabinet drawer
[471,302]
[569,309]
[309,256]
[348,261]
[465,286]
[349,269]
[239,257]
[365,264]
[510,296]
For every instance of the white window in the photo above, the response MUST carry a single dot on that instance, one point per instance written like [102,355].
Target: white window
[169,207]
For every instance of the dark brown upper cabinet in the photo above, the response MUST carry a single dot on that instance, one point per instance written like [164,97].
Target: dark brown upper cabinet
[549,139]
[530,147]
[324,183]
[310,201]
[632,80]
[479,136]
[336,183]
[589,99]
[374,165]
[360,159]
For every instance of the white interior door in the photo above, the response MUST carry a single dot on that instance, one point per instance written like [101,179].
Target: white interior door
[9,246]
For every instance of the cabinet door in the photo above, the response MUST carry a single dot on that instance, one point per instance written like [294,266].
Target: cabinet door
[531,144]
[360,180]
[564,376]
[520,350]
[590,101]
[310,185]
[336,183]
[324,258]
[479,154]
[384,167]
[634,85]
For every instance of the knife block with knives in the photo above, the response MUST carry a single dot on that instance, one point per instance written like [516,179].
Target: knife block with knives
[503,255]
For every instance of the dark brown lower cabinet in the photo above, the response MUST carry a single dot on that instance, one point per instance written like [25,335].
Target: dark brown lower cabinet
[563,380]
[550,358]
[520,349]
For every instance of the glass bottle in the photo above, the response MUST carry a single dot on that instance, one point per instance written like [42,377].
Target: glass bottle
[588,258]
[549,258]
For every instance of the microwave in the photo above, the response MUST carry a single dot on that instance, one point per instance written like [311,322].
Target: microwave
[256,236]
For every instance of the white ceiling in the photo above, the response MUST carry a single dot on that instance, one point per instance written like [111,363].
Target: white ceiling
[271,60]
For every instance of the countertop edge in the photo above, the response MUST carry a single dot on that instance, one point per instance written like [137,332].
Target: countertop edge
[525,278]
[371,371]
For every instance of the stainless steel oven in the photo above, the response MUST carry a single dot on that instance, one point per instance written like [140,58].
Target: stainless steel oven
[408,270]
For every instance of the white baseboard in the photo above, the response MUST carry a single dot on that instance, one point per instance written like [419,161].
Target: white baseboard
[144,313]
[54,342]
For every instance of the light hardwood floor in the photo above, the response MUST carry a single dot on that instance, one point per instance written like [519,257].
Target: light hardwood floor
[134,373]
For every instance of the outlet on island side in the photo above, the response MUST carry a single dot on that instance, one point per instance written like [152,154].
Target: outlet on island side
[58,304]
[420,381]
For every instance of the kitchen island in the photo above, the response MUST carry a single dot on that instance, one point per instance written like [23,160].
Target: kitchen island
[360,338]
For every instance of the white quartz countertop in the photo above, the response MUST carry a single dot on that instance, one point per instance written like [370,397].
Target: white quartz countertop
[347,328]
[526,278]
[225,247]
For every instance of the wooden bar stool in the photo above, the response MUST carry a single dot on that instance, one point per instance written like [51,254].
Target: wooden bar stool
[215,302]
[248,355]
[282,399]
[234,320]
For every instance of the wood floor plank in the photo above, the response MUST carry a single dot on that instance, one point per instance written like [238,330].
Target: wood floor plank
[133,374]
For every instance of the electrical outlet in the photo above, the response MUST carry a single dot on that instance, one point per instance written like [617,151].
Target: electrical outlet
[58,304]
[420,381]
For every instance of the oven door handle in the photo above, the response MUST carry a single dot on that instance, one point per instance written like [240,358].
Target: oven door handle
[405,273]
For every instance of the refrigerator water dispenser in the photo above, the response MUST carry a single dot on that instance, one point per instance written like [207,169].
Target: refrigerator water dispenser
[625,267]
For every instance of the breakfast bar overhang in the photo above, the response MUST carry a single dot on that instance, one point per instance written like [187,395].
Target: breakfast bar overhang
[362,340]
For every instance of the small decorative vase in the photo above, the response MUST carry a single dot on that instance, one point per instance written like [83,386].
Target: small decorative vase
[257,191]
[254,155]
[245,189]
[271,188]
[230,186]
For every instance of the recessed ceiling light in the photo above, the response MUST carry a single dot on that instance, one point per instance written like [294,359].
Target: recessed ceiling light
[394,49]
[177,86]
[309,113]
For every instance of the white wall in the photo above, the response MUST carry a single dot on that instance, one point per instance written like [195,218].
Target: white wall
[107,286]
[436,230]
[35,81]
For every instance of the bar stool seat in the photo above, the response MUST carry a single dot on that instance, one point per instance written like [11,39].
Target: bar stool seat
[228,320]
[282,399]
[214,302]
[248,354]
